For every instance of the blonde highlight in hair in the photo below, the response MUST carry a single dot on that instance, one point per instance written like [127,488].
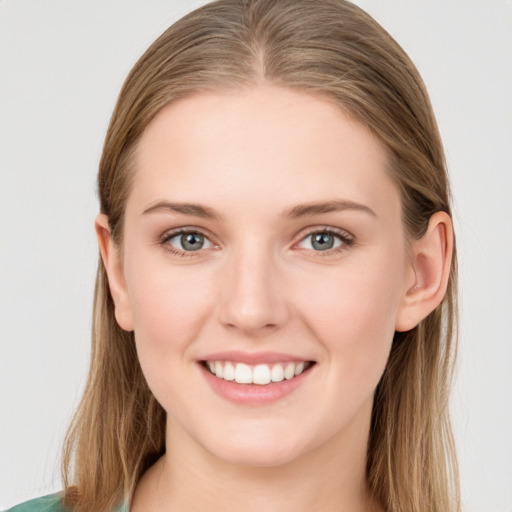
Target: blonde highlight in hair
[329,48]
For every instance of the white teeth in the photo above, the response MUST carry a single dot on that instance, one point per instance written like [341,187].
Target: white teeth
[219,369]
[277,373]
[260,374]
[229,372]
[243,374]
[289,371]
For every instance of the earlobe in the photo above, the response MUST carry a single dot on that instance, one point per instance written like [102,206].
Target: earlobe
[113,264]
[431,263]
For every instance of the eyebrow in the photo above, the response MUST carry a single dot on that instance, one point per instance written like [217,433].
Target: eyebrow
[298,211]
[335,205]
[185,208]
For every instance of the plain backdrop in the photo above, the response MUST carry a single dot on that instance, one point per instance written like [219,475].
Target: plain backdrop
[62,64]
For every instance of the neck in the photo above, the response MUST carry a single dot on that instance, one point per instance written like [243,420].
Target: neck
[189,478]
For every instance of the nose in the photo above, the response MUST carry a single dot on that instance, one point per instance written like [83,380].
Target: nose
[252,298]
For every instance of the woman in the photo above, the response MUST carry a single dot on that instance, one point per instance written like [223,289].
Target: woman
[276,296]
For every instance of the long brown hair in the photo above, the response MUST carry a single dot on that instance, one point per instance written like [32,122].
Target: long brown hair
[325,47]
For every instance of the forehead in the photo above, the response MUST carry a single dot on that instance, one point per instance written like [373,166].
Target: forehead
[267,147]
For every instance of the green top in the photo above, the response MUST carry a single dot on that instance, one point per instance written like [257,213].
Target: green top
[50,503]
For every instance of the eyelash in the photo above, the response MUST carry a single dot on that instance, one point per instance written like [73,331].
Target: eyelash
[347,241]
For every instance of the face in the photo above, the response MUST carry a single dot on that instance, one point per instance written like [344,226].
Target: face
[262,238]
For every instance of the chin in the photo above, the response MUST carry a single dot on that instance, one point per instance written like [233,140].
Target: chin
[257,458]
[257,451]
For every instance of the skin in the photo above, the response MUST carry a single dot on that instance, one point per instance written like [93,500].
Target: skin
[258,284]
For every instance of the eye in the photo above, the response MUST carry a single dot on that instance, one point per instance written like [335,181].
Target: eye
[186,241]
[326,240]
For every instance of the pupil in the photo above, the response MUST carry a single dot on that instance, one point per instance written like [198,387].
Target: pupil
[323,241]
[191,241]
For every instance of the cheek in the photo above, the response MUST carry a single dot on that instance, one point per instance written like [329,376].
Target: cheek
[353,315]
[168,305]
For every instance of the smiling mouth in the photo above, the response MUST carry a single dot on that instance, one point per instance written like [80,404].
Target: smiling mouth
[260,374]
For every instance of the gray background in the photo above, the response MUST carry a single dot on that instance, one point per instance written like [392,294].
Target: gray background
[62,63]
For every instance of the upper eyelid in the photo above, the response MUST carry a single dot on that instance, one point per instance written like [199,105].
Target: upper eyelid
[343,234]
[330,229]
[171,233]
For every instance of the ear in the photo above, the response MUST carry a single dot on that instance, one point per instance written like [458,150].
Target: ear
[111,256]
[430,269]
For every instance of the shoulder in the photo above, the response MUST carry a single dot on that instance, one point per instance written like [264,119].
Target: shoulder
[50,503]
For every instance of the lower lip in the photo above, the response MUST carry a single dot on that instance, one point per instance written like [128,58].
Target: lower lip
[254,394]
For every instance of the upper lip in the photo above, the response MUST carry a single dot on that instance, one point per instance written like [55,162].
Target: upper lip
[253,357]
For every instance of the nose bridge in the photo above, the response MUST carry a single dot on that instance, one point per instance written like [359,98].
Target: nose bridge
[252,296]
